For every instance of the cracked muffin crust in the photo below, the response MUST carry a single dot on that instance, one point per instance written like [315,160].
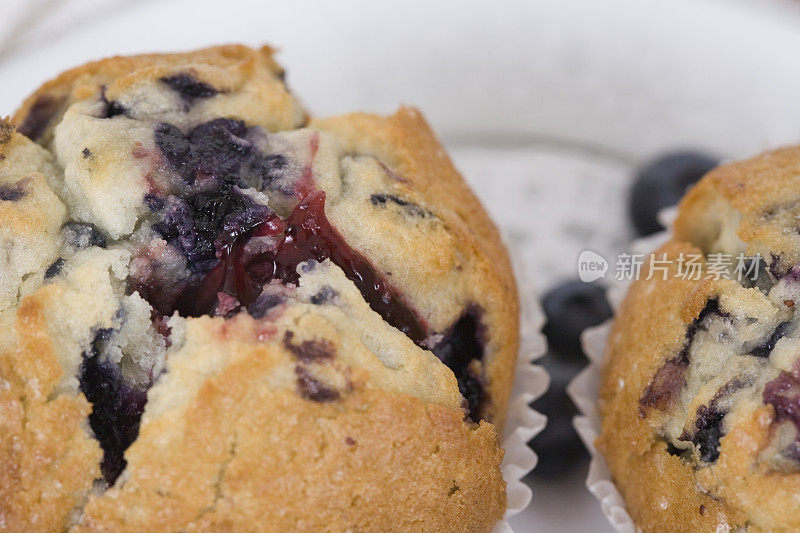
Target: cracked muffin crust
[700,395]
[219,313]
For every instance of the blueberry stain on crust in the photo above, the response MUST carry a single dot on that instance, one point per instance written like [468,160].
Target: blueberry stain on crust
[309,351]
[783,394]
[665,386]
[323,296]
[39,117]
[313,389]
[80,235]
[14,192]
[380,200]
[55,268]
[261,306]
[668,380]
[189,87]
[765,349]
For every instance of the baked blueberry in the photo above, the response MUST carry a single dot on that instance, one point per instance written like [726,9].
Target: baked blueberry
[55,268]
[80,235]
[39,116]
[111,108]
[783,394]
[460,349]
[267,169]
[176,149]
[14,192]
[188,86]
[117,409]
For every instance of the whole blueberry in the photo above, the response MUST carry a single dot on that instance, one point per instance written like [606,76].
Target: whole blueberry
[570,308]
[558,445]
[662,182]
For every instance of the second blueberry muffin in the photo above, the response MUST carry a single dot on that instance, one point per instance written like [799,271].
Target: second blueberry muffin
[700,396]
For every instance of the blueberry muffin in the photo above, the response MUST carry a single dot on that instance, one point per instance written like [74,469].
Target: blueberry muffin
[700,396]
[221,314]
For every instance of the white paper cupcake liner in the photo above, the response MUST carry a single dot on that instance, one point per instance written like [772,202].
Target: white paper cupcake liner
[531,381]
[583,390]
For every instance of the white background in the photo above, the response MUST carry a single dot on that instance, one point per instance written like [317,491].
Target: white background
[547,107]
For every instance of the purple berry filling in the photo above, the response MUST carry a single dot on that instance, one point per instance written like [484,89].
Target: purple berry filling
[204,223]
[783,393]
[117,409]
[112,109]
[215,227]
[708,422]
[267,172]
[218,148]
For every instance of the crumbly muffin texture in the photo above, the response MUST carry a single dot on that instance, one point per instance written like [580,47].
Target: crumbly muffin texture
[700,395]
[220,313]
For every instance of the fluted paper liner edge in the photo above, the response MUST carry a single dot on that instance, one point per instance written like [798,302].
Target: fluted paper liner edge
[583,390]
[530,382]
